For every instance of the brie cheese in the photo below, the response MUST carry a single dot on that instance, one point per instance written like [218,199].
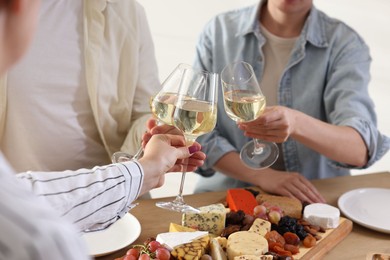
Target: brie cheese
[323,215]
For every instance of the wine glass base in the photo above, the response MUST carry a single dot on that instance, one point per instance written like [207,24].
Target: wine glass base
[119,157]
[178,207]
[262,160]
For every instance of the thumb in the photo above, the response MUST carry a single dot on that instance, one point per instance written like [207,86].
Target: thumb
[185,152]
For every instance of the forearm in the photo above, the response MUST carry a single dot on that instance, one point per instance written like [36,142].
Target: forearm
[89,198]
[339,143]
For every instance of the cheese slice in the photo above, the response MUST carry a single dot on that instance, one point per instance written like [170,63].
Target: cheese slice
[260,226]
[193,250]
[179,228]
[323,215]
[216,250]
[246,243]
[173,239]
[210,218]
[241,199]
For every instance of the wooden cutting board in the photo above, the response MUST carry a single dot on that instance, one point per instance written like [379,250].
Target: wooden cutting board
[329,240]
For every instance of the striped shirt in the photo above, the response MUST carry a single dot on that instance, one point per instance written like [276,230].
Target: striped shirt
[90,199]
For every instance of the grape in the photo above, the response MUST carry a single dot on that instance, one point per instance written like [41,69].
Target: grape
[153,245]
[133,252]
[274,217]
[260,210]
[130,257]
[163,254]
[144,257]
[275,208]
[248,220]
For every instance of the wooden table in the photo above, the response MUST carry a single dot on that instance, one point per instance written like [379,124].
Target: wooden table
[356,245]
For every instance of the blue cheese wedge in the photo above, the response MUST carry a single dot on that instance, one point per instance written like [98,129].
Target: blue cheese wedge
[323,215]
[246,243]
[260,226]
[210,218]
[173,239]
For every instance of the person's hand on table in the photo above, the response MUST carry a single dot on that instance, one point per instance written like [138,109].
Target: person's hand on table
[276,124]
[290,184]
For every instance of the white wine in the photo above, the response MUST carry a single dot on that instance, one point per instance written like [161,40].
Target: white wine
[195,117]
[163,107]
[244,105]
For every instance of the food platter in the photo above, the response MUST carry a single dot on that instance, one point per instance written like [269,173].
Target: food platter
[119,235]
[367,207]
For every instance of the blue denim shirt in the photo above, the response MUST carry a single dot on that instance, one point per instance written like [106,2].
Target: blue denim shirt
[326,77]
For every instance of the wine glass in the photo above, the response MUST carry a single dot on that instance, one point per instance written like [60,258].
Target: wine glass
[194,114]
[162,107]
[244,101]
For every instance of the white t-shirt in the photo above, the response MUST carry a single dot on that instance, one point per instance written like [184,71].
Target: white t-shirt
[277,53]
[50,125]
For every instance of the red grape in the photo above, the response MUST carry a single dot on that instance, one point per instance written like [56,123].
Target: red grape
[144,257]
[260,210]
[153,245]
[130,257]
[163,254]
[133,252]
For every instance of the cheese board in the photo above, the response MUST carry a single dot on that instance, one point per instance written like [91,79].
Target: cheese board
[217,218]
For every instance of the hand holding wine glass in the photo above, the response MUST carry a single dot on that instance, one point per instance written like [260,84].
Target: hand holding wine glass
[194,114]
[244,101]
[162,107]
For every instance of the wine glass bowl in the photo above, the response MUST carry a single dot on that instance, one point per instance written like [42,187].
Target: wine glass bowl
[244,102]
[162,107]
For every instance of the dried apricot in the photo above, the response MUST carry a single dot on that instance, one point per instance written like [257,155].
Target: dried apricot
[291,238]
[293,249]
[309,241]
[280,251]
[271,246]
[274,236]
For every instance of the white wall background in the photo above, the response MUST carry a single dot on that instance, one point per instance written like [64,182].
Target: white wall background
[176,24]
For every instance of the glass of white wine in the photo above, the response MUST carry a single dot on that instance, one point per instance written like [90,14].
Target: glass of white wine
[194,114]
[162,107]
[244,101]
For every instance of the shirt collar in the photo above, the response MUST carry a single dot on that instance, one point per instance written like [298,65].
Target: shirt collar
[313,30]
[251,25]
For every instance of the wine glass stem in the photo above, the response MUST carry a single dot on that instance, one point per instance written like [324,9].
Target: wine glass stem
[179,198]
[138,153]
[258,147]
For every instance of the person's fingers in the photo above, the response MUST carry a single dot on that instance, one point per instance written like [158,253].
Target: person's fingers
[304,190]
[151,123]
[311,192]
[165,129]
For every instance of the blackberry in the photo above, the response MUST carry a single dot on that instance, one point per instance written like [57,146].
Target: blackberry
[289,224]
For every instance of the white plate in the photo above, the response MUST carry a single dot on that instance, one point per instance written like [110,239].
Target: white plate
[119,235]
[367,207]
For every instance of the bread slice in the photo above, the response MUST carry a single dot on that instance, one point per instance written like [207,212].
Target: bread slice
[291,207]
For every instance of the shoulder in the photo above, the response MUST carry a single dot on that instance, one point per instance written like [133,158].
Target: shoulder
[339,31]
